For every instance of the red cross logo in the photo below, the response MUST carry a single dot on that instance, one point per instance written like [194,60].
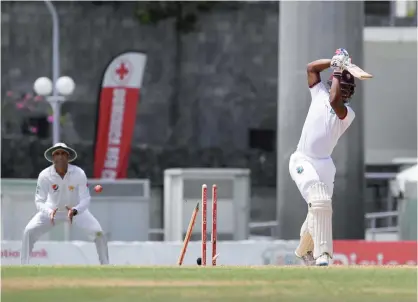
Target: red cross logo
[122,71]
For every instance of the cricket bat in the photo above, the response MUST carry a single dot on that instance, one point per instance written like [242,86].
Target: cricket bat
[358,72]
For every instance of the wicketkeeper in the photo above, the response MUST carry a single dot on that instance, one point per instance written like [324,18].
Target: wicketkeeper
[62,195]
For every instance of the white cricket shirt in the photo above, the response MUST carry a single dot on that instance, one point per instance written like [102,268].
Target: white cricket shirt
[53,192]
[322,127]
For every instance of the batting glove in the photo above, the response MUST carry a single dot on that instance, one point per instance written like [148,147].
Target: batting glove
[340,60]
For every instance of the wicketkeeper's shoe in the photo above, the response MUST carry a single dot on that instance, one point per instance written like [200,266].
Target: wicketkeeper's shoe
[323,260]
[307,259]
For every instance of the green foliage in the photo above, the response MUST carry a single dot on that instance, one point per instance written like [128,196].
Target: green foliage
[184,13]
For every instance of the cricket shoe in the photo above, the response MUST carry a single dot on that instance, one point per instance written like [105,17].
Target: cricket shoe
[323,260]
[307,259]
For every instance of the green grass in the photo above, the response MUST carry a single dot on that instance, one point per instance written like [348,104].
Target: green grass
[211,284]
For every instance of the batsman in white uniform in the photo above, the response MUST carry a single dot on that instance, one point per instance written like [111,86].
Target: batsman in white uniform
[311,166]
[62,196]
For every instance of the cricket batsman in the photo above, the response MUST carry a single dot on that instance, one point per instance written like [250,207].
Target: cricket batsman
[62,195]
[311,166]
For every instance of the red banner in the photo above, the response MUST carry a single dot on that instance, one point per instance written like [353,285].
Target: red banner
[116,115]
[355,252]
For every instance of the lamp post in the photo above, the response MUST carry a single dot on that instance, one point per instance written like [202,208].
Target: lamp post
[59,87]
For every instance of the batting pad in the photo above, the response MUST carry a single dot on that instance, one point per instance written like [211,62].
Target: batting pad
[320,219]
[306,243]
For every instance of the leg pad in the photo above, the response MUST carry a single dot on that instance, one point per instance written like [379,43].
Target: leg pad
[320,219]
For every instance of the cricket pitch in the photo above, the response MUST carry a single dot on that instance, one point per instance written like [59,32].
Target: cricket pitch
[208,284]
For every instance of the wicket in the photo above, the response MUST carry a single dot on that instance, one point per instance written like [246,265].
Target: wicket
[188,234]
[204,226]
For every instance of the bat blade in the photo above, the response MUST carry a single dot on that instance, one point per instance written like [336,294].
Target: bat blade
[358,72]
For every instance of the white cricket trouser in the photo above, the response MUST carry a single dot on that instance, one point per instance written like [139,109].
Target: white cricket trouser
[306,171]
[41,223]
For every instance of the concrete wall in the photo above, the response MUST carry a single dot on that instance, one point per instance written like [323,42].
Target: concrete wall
[390,99]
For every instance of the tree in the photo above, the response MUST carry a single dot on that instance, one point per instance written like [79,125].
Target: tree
[185,13]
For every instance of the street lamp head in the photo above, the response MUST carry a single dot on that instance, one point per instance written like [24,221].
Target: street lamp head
[43,86]
[65,86]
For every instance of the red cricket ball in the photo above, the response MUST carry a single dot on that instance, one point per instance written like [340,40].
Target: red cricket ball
[98,188]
